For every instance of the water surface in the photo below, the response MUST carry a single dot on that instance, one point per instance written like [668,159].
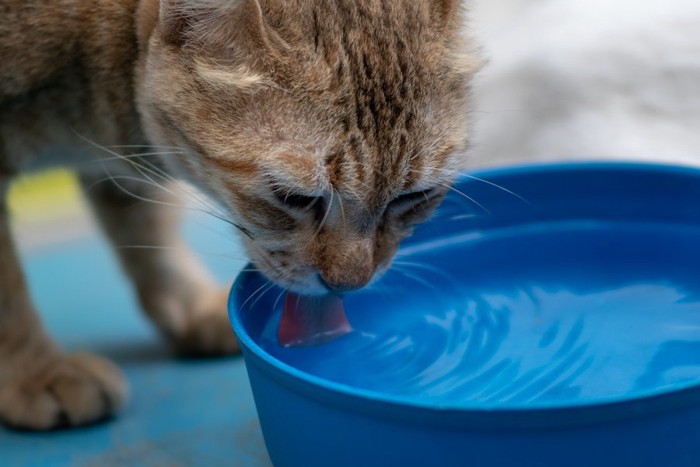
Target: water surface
[534,315]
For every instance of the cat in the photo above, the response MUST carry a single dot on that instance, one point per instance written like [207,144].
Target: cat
[326,129]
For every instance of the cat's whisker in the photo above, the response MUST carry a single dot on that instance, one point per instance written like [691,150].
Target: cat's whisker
[149,146]
[465,196]
[495,185]
[277,300]
[199,205]
[270,286]
[137,156]
[418,280]
[135,165]
[422,206]
[266,284]
[158,172]
[250,297]
[377,286]
[342,208]
[195,198]
[424,267]
[487,182]
[249,270]
[114,179]
[180,248]
[460,193]
[325,216]
[261,291]
[216,232]
[139,167]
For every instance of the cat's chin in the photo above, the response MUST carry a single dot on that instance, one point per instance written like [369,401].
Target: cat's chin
[314,292]
[310,286]
[317,290]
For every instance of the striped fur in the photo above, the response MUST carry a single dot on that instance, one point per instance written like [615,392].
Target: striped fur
[354,102]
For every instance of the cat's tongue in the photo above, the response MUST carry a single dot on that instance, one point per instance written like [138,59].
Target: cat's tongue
[311,320]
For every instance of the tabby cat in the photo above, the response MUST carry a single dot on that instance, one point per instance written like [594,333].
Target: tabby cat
[325,129]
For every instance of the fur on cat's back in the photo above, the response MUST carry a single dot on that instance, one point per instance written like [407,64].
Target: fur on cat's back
[66,70]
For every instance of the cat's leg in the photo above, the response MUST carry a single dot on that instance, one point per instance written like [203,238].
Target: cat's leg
[174,289]
[40,387]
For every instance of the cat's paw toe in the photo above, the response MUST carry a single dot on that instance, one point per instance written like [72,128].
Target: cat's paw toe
[208,332]
[63,391]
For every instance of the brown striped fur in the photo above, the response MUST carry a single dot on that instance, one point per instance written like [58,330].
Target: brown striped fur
[354,103]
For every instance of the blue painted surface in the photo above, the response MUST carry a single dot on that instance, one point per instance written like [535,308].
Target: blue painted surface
[561,330]
[181,413]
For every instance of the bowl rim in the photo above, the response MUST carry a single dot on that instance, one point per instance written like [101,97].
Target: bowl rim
[536,415]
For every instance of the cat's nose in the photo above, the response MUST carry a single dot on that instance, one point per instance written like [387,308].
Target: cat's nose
[340,287]
[347,267]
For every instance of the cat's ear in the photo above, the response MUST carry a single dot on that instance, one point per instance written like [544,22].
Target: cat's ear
[213,22]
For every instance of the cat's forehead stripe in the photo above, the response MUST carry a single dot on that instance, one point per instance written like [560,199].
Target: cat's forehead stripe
[240,77]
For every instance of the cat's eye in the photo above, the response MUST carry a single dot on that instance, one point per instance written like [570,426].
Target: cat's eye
[297,201]
[408,199]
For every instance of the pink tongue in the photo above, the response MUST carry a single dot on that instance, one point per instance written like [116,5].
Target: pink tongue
[311,320]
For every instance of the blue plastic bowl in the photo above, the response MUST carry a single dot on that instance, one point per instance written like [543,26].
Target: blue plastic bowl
[556,323]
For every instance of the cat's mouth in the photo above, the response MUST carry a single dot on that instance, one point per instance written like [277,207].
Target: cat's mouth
[300,280]
[294,275]
[282,269]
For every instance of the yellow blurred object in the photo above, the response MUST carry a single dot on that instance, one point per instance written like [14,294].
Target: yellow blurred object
[45,197]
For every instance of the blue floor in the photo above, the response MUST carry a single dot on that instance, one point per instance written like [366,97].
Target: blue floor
[180,413]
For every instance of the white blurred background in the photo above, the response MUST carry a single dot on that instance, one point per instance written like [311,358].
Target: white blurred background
[582,79]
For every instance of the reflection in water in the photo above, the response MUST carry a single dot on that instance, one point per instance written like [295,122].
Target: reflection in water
[675,361]
[518,337]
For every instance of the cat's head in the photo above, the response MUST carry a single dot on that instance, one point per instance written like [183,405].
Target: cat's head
[328,127]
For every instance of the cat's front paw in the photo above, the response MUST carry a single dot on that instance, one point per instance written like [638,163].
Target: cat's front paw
[192,317]
[207,332]
[62,391]
[208,335]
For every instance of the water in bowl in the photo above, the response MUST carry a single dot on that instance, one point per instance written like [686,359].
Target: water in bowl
[535,315]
